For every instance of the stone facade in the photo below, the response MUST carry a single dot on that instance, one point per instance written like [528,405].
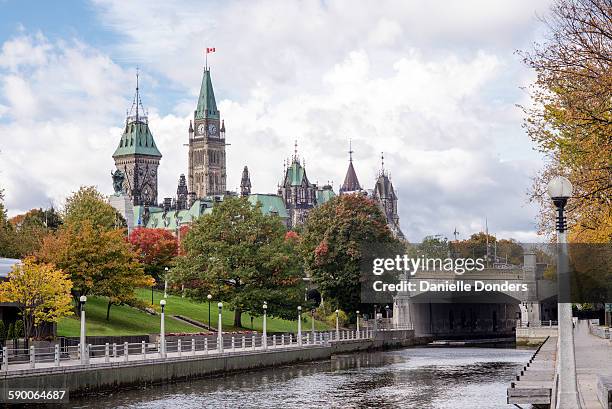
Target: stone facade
[207,165]
[137,156]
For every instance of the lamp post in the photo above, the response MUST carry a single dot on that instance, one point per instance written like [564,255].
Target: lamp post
[83,346]
[264,336]
[560,190]
[337,325]
[209,297]
[299,334]
[312,311]
[220,330]
[357,324]
[387,311]
[166,283]
[375,317]
[162,331]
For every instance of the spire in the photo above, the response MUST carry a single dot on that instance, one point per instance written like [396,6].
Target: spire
[351,183]
[207,106]
[295,152]
[137,138]
[137,112]
[245,182]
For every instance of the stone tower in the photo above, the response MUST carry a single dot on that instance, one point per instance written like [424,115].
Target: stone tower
[182,196]
[207,174]
[297,192]
[385,196]
[245,182]
[137,156]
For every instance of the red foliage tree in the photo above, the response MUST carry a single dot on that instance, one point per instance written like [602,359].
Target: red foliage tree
[156,248]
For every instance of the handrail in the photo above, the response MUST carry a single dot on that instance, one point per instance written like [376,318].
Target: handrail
[57,356]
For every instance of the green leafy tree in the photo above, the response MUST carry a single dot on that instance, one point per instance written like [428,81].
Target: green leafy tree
[90,205]
[242,257]
[334,238]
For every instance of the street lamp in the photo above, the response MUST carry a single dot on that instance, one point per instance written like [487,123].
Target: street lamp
[209,296]
[264,336]
[166,283]
[220,330]
[357,324]
[162,331]
[83,348]
[299,334]
[387,311]
[560,190]
[337,325]
[312,311]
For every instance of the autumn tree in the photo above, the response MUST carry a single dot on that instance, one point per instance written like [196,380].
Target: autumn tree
[40,291]
[334,238]
[156,249]
[98,262]
[242,257]
[570,118]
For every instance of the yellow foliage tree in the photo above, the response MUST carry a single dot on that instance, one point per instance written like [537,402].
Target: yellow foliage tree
[41,292]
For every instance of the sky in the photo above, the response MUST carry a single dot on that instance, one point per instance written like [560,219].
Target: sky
[434,84]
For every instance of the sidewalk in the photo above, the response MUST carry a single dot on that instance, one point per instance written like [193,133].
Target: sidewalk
[593,357]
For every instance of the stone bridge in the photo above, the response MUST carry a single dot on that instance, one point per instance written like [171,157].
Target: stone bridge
[461,311]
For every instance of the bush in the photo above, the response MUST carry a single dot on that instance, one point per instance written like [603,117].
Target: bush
[2,332]
[19,333]
[10,334]
[331,319]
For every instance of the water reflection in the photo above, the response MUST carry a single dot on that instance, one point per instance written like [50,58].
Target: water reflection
[410,378]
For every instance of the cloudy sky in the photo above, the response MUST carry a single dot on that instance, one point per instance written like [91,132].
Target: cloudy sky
[432,84]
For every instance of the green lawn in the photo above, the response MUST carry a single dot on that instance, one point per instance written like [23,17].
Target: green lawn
[123,321]
[199,311]
[126,320]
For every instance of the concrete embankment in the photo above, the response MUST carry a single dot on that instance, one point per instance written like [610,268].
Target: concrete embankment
[84,379]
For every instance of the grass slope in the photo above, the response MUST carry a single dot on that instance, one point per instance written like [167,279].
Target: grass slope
[126,320]
[199,311]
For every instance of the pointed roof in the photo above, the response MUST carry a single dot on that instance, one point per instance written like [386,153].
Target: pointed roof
[137,138]
[351,183]
[207,106]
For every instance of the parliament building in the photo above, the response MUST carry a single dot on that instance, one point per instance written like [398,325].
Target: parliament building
[136,179]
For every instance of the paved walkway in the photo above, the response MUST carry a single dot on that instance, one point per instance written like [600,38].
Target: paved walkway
[593,357]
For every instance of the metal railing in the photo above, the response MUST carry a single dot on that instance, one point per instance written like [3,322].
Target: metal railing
[56,356]
[536,324]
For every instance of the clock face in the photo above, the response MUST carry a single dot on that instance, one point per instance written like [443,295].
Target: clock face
[201,129]
[212,129]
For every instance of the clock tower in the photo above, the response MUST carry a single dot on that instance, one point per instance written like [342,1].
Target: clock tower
[207,174]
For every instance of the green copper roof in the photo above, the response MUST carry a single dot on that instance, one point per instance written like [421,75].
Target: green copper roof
[137,139]
[324,195]
[295,174]
[207,106]
[270,204]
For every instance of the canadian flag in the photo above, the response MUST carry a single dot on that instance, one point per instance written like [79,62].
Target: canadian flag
[210,50]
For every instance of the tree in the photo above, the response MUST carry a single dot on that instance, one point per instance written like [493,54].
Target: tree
[28,231]
[2,333]
[41,292]
[156,249]
[334,238]
[571,115]
[10,333]
[90,205]
[241,256]
[98,262]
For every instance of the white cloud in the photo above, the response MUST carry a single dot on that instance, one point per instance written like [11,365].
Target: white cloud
[433,84]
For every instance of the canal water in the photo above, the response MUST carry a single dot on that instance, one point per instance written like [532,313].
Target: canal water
[419,378]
